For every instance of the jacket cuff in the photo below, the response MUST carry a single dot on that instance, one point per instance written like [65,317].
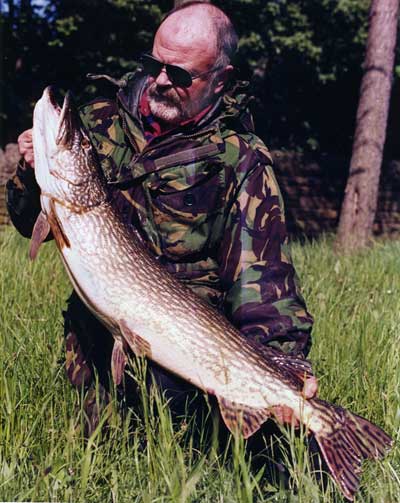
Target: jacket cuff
[23,199]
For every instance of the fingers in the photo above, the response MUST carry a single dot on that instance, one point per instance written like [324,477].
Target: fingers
[310,387]
[25,146]
[285,415]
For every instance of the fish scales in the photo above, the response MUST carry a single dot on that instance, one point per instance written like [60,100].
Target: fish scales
[114,277]
[149,310]
[109,276]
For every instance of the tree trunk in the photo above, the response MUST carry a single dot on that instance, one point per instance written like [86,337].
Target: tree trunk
[26,8]
[361,195]
[11,11]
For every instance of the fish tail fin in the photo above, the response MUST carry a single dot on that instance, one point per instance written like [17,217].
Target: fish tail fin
[351,440]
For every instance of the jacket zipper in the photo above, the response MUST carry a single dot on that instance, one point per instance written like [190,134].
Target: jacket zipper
[129,135]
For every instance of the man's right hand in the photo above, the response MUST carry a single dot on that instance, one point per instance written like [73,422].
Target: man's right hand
[25,146]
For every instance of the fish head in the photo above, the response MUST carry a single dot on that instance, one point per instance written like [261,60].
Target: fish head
[66,164]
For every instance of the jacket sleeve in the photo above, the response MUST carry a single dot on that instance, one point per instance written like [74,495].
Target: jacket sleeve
[23,194]
[23,199]
[262,294]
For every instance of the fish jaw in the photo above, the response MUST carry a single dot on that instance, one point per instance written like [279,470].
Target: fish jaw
[46,122]
[66,167]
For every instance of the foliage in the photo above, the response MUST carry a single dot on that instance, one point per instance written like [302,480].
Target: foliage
[304,58]
[144,457]
[63,41]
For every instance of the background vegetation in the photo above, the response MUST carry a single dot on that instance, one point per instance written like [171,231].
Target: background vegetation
[43,453]
[303,57]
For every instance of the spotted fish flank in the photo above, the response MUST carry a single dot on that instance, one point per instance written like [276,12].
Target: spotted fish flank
[183,192]
[146,308]
[234,257]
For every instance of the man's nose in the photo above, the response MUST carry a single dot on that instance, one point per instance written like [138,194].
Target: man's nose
[162,78]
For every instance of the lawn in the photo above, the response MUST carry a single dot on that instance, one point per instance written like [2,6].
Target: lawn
[44,455]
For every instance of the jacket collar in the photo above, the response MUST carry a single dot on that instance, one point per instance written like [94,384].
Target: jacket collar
[231,108]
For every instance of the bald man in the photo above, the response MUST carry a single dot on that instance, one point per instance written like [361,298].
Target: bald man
[184,167]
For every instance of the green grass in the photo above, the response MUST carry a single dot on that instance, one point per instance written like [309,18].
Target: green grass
[45,457]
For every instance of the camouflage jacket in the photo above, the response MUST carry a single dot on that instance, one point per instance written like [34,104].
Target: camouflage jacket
[205,201]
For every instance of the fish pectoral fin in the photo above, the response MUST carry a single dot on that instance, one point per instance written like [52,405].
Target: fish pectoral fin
[56,227]
[40,232]
[138,345]
[118,361]
[239,417]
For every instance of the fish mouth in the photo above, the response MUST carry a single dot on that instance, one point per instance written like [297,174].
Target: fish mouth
[50,92]
[69,122]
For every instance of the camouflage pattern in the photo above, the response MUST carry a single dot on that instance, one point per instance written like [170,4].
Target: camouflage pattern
[205,201]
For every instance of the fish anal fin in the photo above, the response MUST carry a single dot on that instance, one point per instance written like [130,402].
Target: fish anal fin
[40,232]
[118,361]
[239,417]
[138,345]
[351,440]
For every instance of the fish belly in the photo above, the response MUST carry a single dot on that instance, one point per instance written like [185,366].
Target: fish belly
[202,349]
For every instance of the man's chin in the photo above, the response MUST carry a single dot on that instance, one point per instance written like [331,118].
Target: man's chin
[166,113]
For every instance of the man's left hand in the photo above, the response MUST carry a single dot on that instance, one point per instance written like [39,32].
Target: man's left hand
[284,414]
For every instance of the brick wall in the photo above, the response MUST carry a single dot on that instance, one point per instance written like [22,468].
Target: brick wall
[312,189]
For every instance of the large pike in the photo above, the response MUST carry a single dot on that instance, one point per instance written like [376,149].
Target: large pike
[149,311]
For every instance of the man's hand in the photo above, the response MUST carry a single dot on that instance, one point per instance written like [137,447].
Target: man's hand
[285,414]
[25,146]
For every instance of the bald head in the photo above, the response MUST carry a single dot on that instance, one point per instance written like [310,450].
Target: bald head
[202,23]
[192,38]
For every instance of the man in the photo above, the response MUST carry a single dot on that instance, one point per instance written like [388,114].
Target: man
[186,170]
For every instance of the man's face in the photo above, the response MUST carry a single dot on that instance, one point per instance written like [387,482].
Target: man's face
[173,104]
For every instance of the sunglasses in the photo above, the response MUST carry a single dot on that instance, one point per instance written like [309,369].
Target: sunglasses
[178,76]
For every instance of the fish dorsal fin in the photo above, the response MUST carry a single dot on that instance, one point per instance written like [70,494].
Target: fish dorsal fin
[138,345]
[118,360]
[40,232]
[296,368]
[241,418]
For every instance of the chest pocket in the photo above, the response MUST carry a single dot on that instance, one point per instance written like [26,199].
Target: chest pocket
[184,202]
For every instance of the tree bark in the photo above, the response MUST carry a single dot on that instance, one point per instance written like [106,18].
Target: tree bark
[26,8]
[361,194]
[11,11]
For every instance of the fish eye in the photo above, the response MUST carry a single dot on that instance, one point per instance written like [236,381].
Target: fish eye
[85,143]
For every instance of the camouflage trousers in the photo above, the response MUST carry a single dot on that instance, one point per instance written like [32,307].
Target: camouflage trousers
[88,353]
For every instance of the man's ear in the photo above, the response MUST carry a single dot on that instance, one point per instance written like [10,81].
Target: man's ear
[223,78]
